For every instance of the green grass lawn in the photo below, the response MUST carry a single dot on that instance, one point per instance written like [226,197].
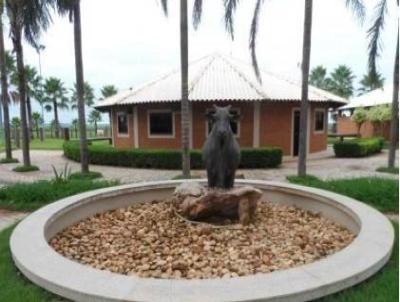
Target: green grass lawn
[381,193]
[31,196]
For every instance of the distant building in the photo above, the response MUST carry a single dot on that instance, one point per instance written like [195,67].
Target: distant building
[381,96]
[149,116]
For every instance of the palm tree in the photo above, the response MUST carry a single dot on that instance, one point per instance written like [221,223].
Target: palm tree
[318,77]
[73,9]
[371,82]
[27,18]
[358,9]
[340,81]
[4,67]
[88,95]
[55,98]
[185,126]
[94,118]
[75,123]
[108,90]
[33,85]
[374,51]
[37,119]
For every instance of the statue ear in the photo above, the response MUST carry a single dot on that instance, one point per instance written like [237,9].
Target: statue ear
[228,107]
[215,107]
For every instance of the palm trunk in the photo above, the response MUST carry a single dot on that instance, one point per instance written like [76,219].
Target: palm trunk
[394,124]
[22,93]
[185,92]
[4,90]
[30,119]
[305,68]
[56,122]
[79,88]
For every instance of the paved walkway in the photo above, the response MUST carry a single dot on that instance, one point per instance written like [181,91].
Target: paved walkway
[323,165]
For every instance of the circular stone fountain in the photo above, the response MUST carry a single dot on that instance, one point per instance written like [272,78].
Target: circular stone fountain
[367,253]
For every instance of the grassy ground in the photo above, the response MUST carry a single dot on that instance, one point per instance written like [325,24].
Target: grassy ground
[382,287]
[383,194]
[29,197]
[394,170]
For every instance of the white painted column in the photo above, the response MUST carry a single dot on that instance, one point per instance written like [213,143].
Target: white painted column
[135,127]
[256,124]
[190,126]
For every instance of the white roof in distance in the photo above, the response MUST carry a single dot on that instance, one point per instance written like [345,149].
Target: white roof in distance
[219,77]
[375,97]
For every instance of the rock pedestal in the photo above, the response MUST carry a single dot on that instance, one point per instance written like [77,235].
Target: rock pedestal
[197,202]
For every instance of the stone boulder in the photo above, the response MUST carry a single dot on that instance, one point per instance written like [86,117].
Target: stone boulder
[197,202]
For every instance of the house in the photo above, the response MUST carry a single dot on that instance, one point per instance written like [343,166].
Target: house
[149,116]
[380,96]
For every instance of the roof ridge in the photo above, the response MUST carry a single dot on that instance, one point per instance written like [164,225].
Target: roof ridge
[201,74]
[261,93]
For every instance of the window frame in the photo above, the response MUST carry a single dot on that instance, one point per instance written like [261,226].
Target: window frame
[315,121]
[119,134]
[238,121]
[149,112]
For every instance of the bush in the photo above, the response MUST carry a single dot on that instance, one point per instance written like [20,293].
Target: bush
[8,161]
[393,170]
[167,159]
[85,175]
[358,147]
[26,168]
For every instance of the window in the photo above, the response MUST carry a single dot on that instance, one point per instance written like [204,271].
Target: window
[319,120]
[122,123]
[235,125]
[161,123]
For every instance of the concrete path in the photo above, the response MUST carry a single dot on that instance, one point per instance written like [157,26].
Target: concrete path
[323,165]
[7,218]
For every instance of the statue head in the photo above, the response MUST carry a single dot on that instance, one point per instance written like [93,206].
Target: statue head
[220,119]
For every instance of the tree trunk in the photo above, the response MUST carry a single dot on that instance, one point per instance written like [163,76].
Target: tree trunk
[37,130]
[56,122]
[305,69]
[185,92]
[95,129]
[4,90]
[394,124]
[79,88]
[22,93]
[30,119]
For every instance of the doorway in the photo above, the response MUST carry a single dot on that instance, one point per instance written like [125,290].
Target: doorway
[296,132]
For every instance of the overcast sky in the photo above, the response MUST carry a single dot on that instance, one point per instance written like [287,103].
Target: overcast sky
[126,43]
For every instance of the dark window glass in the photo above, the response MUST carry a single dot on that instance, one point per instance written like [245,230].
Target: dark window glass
[122,123]
[161,123]
[234,124]
[319,120]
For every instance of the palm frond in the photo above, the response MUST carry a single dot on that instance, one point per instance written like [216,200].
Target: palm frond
[358,9]
[230,9]
[374,35]
[164,5]
[197,13]
[253,38]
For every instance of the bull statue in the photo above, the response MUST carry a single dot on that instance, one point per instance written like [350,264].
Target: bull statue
[221,151]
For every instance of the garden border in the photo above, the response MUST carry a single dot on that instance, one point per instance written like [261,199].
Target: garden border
[48,269]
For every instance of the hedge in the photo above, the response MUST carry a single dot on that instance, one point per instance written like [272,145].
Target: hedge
[166,159]
[358,147]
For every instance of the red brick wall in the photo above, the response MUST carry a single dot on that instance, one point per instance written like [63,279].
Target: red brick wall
[199,109]
[119,141]
[275,126]
[346,126]
[168,143]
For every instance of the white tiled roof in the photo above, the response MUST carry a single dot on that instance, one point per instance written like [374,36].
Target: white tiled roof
[375,97]
[219,77]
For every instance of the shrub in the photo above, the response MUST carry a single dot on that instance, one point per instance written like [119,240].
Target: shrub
[8,161]
[167,159]
[85,175]
[26,168]
[358,147]
[391,170]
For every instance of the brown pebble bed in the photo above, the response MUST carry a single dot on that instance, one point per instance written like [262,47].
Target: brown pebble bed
[151,240]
